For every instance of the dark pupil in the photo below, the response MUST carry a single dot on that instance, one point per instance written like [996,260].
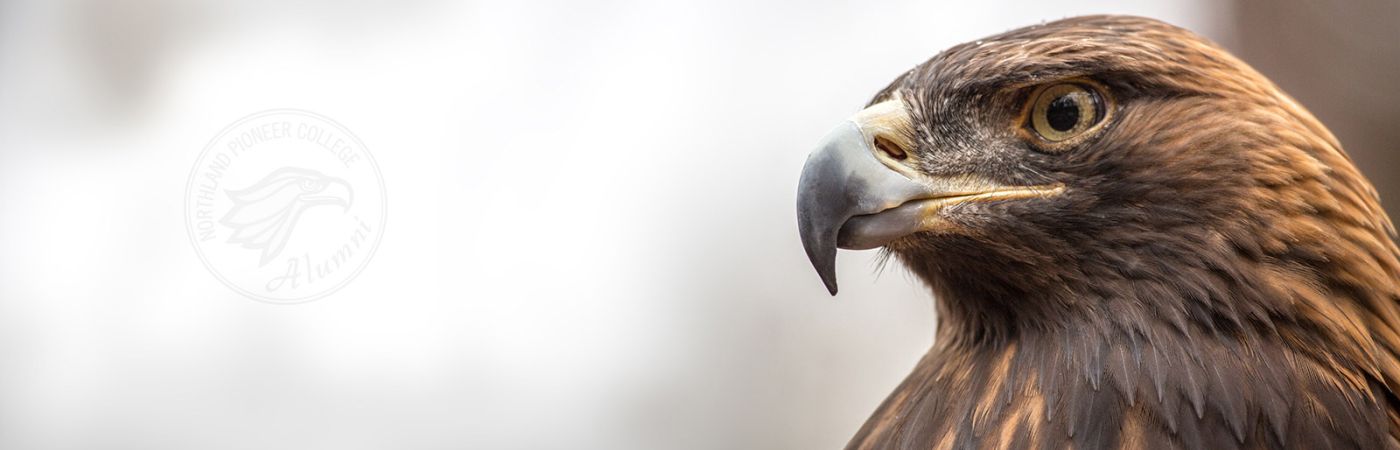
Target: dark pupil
[1063,114]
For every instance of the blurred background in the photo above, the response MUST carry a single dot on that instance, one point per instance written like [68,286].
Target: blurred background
[590,240]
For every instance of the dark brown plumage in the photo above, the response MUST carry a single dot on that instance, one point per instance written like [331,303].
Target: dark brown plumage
[1211,272]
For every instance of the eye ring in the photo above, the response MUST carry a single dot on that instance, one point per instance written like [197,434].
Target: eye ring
[1061,115]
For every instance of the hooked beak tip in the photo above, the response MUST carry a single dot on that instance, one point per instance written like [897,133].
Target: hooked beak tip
[823,259]
[817,222]
[820,243]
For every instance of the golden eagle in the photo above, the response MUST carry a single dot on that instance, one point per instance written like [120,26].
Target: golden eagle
[1134,240]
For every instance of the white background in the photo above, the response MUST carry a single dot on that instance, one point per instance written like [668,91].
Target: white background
[590,242]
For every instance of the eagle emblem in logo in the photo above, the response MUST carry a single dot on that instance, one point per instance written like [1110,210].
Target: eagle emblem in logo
[264,214]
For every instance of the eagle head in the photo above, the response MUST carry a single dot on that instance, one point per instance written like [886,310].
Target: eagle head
[1077,149]
[1115,201]
[264,215]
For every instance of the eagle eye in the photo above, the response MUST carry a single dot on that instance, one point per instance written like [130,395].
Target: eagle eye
[1060,112]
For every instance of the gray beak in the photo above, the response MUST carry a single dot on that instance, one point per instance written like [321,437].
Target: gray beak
[844,179]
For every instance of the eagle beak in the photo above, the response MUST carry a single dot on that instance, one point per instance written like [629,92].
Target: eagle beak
[860,189]
[336,192]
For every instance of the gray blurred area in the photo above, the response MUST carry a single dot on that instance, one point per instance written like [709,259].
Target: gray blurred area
[590,242]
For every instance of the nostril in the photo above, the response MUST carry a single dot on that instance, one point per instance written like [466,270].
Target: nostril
[890,148]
